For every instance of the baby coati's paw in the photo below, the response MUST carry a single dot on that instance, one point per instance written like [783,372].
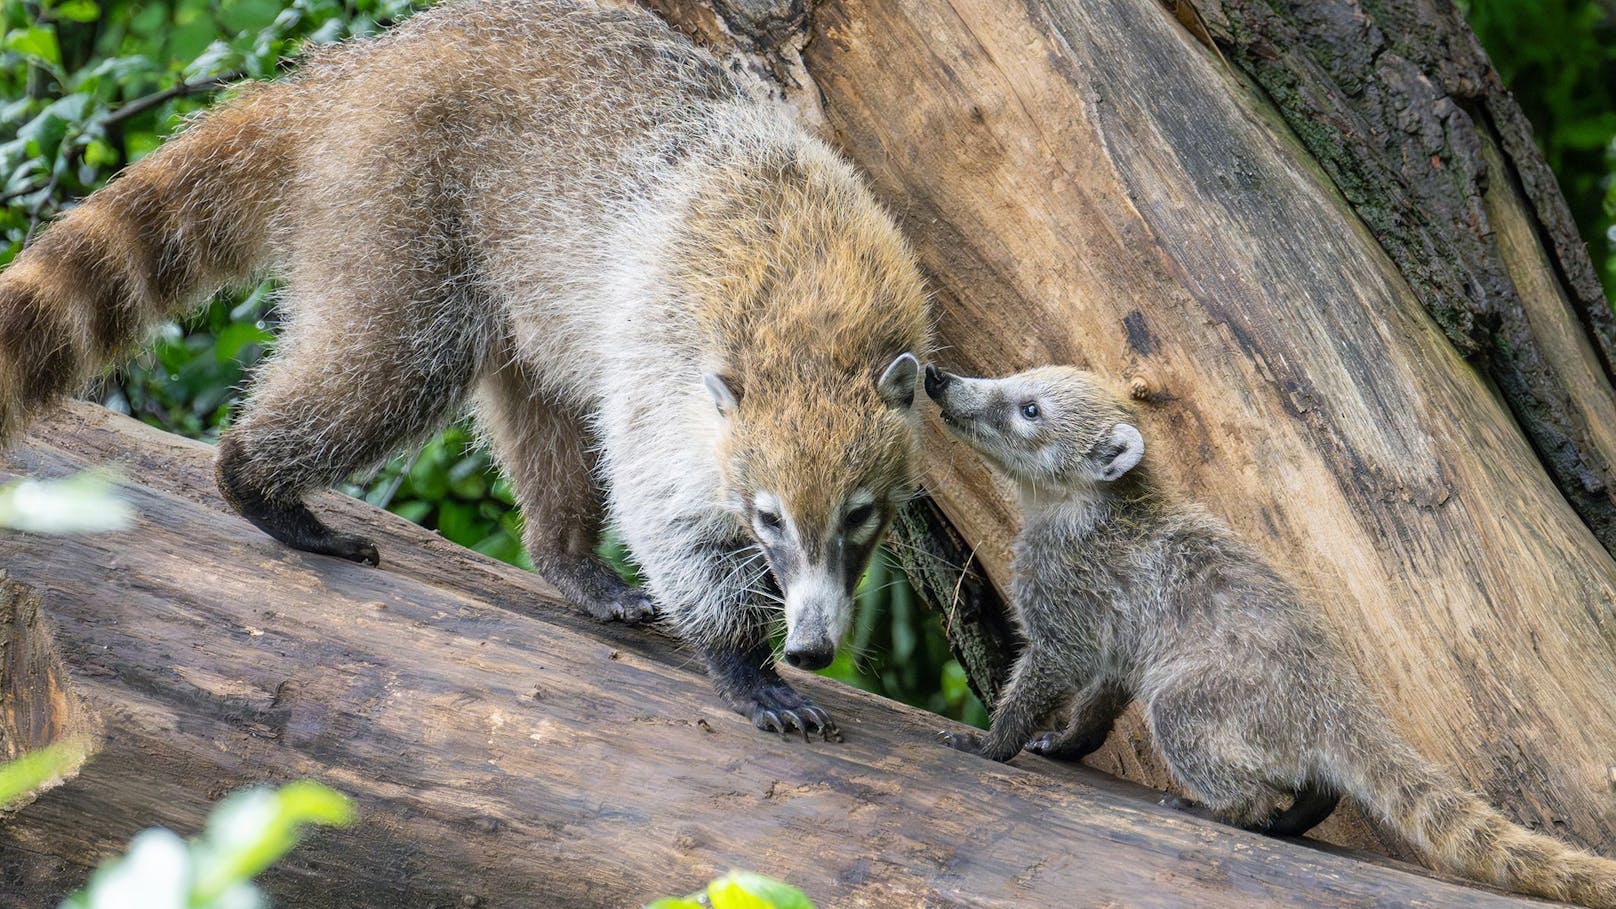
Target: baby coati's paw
[780,708]
[968,742]
[1056,747]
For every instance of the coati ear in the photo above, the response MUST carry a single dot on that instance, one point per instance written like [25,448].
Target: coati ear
[1118,452]
[723,397]
[897,383]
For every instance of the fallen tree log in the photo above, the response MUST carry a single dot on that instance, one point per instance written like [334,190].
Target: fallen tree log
[505,752]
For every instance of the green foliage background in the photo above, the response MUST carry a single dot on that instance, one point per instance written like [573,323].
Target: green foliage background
[91,85]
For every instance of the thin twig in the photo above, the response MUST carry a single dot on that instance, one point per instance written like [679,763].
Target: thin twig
[140,105]
[7,198]
[392,486]
[38,208]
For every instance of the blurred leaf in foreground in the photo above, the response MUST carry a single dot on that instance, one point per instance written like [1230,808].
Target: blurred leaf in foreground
[740,890]
[86,503]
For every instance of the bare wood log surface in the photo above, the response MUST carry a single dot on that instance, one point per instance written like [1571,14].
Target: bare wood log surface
[1087,184]
[505,752]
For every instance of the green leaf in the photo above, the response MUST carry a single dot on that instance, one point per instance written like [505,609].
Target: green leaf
[77,11]
[151,20]
[460,523]
[413,510]
[671,903]
[37,42]
[100,154]
[36,769]
[249,15]
[746,890]
[253,828]
[236,337]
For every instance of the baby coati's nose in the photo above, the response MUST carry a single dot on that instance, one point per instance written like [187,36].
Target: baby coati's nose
[811,657]
[935,380]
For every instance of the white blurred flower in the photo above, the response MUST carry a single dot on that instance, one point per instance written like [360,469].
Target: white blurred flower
[155,874]
[87,503]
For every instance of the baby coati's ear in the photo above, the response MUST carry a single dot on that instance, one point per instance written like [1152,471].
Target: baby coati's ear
[724,391]
[897,383]
[1117,452]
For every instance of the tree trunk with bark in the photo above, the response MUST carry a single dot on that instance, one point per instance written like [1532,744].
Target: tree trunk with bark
[507,753]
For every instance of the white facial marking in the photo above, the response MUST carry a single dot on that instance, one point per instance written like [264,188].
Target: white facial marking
[765,505]
[817,611]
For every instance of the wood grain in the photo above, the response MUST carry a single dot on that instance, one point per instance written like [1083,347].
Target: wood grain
[507,753]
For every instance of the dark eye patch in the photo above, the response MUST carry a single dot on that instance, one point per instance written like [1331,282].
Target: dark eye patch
[858,516]
[769,519]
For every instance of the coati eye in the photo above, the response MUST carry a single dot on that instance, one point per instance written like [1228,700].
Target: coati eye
[770,520]
[859,516]
[1029,410]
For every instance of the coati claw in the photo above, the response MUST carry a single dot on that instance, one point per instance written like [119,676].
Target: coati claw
[1043,743]
[779,708]
[350,547]
[968,742]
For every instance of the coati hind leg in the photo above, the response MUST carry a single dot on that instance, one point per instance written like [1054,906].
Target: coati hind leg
[1212,753]
[1313,804]
[339,395]
[546,450]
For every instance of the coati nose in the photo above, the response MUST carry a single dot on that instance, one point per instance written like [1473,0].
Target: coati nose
[811,657]
[936,379]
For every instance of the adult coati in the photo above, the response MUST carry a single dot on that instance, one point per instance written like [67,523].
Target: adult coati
[649,276]
[1123,593]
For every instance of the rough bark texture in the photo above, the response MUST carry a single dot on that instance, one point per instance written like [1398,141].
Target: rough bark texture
[506,753]
[1401,107]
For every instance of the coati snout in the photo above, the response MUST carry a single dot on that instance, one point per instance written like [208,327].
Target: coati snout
[1056,425]
[817,509]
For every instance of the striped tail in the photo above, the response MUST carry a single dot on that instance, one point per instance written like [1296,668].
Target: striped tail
[156,241]
[1460,834]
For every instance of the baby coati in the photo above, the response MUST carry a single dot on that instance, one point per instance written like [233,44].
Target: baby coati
[669,302]
[1123,593]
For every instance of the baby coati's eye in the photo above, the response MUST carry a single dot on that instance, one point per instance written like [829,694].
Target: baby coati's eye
[858,517]
[1029,410]
[769,521]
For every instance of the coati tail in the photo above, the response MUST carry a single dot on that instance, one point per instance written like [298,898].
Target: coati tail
[1460,834]
[171,229]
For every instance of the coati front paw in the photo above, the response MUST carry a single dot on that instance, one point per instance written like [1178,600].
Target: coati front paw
[1055,746]
[780,708]
[968,742]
